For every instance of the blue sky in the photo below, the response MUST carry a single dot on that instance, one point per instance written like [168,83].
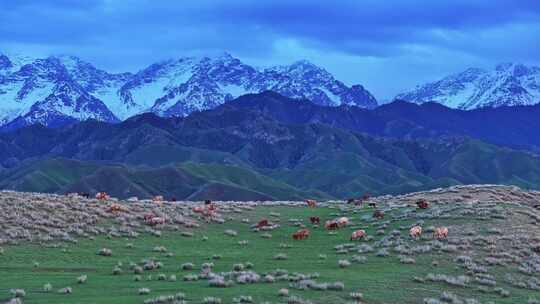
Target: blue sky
[387,46]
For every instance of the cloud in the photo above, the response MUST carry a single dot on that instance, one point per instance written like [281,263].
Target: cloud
[419,39]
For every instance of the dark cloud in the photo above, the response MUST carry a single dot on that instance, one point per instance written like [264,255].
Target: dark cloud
[426,35]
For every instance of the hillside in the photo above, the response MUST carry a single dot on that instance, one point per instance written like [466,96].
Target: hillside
[251,150]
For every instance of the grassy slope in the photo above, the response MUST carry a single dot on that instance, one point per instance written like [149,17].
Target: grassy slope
[382,280]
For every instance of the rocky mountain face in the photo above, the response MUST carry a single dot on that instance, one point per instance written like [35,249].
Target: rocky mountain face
[60,89]
[508,84]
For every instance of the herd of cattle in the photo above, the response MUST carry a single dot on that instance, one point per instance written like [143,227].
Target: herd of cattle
[415,232]
[209,212]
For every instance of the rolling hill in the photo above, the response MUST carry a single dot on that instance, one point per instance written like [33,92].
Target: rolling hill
[257,148]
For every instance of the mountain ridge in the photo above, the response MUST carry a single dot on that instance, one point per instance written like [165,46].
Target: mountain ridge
[260,136]
[508,84]
[29,88]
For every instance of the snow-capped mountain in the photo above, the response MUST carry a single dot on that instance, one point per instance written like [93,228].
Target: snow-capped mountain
[60,89]
[508,84]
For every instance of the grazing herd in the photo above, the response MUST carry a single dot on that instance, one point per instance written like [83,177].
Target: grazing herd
[415,232]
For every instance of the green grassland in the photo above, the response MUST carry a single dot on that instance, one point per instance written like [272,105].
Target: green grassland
[380,279]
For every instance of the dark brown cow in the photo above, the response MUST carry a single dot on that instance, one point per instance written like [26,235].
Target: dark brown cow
[378,214]
[263,223]
[422,204]
[301,234]
[315,220]
[311,203]
[331,225]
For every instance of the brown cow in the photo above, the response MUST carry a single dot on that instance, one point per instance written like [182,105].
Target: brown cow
[331,225]
[440,233]
[102,196]
[301,234]
[315,220]
[311,203]
[422,204]
[415,232]
[358,234]
[342,221]
[148,216]
[113,208]
[156,221]
[263,223]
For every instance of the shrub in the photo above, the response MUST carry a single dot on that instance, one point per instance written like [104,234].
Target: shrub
[230,232]
[502,292]
[356,296]
[172,278]
[269,278]
[358,259]
[323,256]
[216,257]
[383,252]
[116,270]
[144,291]
[406,260]
[212,300]
[47,287]
[243,299]
[220,282]
[138,270]
[238,267]
[65,290]
[82,279]
[137,278]
[248,277]
[161,277]
[283,292]
[364,248]
[249,265]
[338,286]
[160,249]
[191,277]
[280,256]
[266,235]
[187,266]
[105,252]
[17,293]
[344,263]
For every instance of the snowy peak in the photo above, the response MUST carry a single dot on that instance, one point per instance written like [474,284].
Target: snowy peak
[508,84]
[64,88]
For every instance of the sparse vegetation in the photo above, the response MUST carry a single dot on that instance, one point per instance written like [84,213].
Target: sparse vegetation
[478,260]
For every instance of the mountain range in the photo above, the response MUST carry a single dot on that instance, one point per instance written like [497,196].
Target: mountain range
[508,84]
[267,146]
[59,90]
